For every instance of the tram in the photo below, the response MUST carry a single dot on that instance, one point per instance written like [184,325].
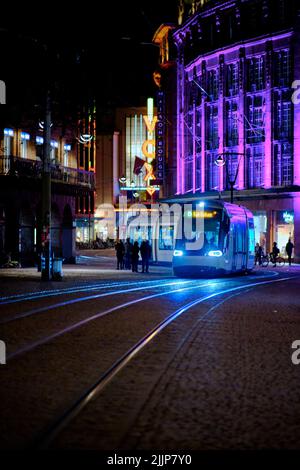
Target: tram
[200,237]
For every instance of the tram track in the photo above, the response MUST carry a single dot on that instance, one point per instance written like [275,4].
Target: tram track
[74,326]
[75,300]
[45,440]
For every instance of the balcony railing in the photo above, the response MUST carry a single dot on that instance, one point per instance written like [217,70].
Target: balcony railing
[21,167]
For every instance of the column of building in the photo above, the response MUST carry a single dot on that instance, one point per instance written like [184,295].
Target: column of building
[241,118]
[221,119]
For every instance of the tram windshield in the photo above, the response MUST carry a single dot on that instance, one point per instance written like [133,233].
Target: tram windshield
[202,231]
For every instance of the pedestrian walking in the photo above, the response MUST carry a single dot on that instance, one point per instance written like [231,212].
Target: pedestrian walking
[135,257]
[274,254]
[258,254]
[128,253]
[146,255]
[289,250]
[120,250]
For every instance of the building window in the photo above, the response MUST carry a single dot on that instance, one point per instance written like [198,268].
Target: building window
[8,142]
[212,128]
[255,158]
[213,84]
[283,69]
[54,151]
[256,119]
[198,147]
[231,169]
[39,146]
[67,149]
[232,79]
[188,173]
[283,165]
[231,132]
[256,79]
[212,171]
[189,136]
[24,139]
[136,135]
[282,117]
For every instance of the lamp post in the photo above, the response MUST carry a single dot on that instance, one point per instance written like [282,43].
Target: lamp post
[46,197]
[223,161]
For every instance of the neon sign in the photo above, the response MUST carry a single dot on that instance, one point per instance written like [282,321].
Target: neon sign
[160,136]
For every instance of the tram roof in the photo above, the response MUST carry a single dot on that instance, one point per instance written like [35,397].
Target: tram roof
[232,209]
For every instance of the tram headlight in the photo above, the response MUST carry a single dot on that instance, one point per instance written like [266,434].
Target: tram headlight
[216,253]
[177,253]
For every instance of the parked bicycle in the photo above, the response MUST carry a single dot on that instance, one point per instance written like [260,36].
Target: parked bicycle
[269,258]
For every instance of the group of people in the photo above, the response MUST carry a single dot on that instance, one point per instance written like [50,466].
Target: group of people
[259,253]
[128,255]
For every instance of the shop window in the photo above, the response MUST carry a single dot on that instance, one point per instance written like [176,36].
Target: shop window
[284,228]
[260,228]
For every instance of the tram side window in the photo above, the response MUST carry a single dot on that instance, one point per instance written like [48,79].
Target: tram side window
[251,237]
[166,237]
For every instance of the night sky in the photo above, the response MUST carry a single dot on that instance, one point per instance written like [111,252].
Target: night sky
[82,51]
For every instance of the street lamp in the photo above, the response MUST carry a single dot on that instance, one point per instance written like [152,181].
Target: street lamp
[223,161]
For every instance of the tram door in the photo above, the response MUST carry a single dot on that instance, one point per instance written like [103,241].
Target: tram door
[239,247]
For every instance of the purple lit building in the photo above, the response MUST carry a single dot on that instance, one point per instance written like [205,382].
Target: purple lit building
[237,62]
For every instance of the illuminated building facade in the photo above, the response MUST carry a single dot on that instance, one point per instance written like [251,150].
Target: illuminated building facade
[125,172]
[86,161]
[236,65]
[21,191]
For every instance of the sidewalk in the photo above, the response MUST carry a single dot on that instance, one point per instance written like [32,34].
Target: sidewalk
[92,266]
[89,268]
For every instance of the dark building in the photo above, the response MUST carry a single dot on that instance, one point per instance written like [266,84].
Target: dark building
[238,117]
[21,191]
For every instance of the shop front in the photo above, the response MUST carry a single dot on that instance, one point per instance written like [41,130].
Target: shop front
[84,231]
[284,229]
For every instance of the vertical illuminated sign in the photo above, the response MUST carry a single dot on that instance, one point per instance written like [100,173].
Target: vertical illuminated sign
[160,138]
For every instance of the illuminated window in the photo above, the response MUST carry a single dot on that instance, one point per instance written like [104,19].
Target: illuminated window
[198,148]
[232,82]
[212,171]
[54,151]
[24,139]
[213,84]
[283,69]
[67,149]
[188,173]
[256,77]
[283,117]
[8,142]
[231,133]
[255,119]
[212,127]
[283,164]
[255,173]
